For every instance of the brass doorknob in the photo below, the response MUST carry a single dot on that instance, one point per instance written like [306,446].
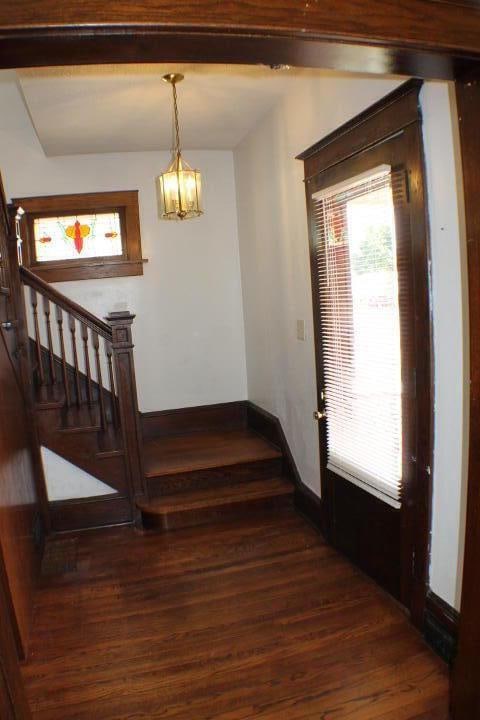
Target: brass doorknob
[319,414]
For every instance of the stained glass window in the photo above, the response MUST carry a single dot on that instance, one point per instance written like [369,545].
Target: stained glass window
[73,237]
[82,236]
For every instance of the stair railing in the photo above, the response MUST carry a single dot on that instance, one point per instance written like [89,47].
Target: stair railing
[81,361]
[77,343]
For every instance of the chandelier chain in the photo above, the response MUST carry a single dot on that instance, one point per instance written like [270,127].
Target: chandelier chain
[177,127]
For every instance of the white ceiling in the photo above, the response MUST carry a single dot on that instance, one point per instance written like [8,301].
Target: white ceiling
[119,108]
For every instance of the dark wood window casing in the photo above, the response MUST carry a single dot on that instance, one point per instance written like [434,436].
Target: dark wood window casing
[391,545]
[125,203]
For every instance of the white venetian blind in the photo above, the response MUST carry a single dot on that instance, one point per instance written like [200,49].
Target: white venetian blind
[355,244]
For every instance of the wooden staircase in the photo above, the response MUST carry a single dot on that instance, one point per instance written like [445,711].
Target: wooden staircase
[79,427]
[80,382]
[211,476]
[79,379]
[77,435]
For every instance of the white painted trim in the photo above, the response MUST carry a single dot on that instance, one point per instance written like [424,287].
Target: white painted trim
[352,182]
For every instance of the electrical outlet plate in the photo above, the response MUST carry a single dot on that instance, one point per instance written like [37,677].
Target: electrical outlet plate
[301,330]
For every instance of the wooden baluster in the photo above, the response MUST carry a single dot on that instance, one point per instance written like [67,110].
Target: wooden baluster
[123,362]
[51,358]
[38,345]
[61,342]
[71,323]
[101,397]
[108,350]
[84,329]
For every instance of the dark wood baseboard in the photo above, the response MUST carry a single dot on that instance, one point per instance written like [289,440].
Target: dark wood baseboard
[441,626]
[222,416]
[310,506]
[270,427]
[89,513]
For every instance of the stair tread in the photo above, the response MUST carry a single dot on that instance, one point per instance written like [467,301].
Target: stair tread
[217,497]
[204,450]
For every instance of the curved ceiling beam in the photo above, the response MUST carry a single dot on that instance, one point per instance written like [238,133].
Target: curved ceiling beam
[432,38]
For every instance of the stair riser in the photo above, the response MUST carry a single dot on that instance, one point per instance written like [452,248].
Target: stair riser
[81,447]
[222,514]
[71,515]
[214,477]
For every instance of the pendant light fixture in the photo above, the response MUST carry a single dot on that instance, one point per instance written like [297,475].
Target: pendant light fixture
[179,187]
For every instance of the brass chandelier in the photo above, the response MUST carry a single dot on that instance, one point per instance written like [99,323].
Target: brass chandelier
[179,187]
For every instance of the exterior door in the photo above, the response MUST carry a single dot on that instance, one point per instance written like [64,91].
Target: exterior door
[369,279]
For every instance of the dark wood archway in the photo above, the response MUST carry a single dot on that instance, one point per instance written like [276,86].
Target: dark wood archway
[423,38]
[427,38]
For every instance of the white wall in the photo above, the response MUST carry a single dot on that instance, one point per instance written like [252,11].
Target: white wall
[276,285]
[189,326]
[451,371]
[272,222]
[66,481]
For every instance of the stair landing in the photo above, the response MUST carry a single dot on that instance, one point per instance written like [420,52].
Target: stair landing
[205,450]
[213,476]
[216,504]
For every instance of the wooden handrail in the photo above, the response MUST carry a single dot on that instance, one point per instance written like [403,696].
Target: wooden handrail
[72,308]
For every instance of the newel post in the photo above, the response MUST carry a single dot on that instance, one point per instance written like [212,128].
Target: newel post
[122,353]
[17,298]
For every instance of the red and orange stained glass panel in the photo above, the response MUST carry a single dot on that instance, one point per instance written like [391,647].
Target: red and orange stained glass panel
[77,237]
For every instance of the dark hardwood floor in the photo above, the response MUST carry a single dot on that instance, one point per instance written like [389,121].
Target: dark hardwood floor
[256,619]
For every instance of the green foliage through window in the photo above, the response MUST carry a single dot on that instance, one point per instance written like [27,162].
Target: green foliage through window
[375,252]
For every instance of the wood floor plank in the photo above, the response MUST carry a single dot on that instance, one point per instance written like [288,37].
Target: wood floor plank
[259,619]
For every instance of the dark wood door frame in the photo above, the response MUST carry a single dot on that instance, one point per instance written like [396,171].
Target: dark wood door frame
[466,678]
[424,38]
[388,132]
